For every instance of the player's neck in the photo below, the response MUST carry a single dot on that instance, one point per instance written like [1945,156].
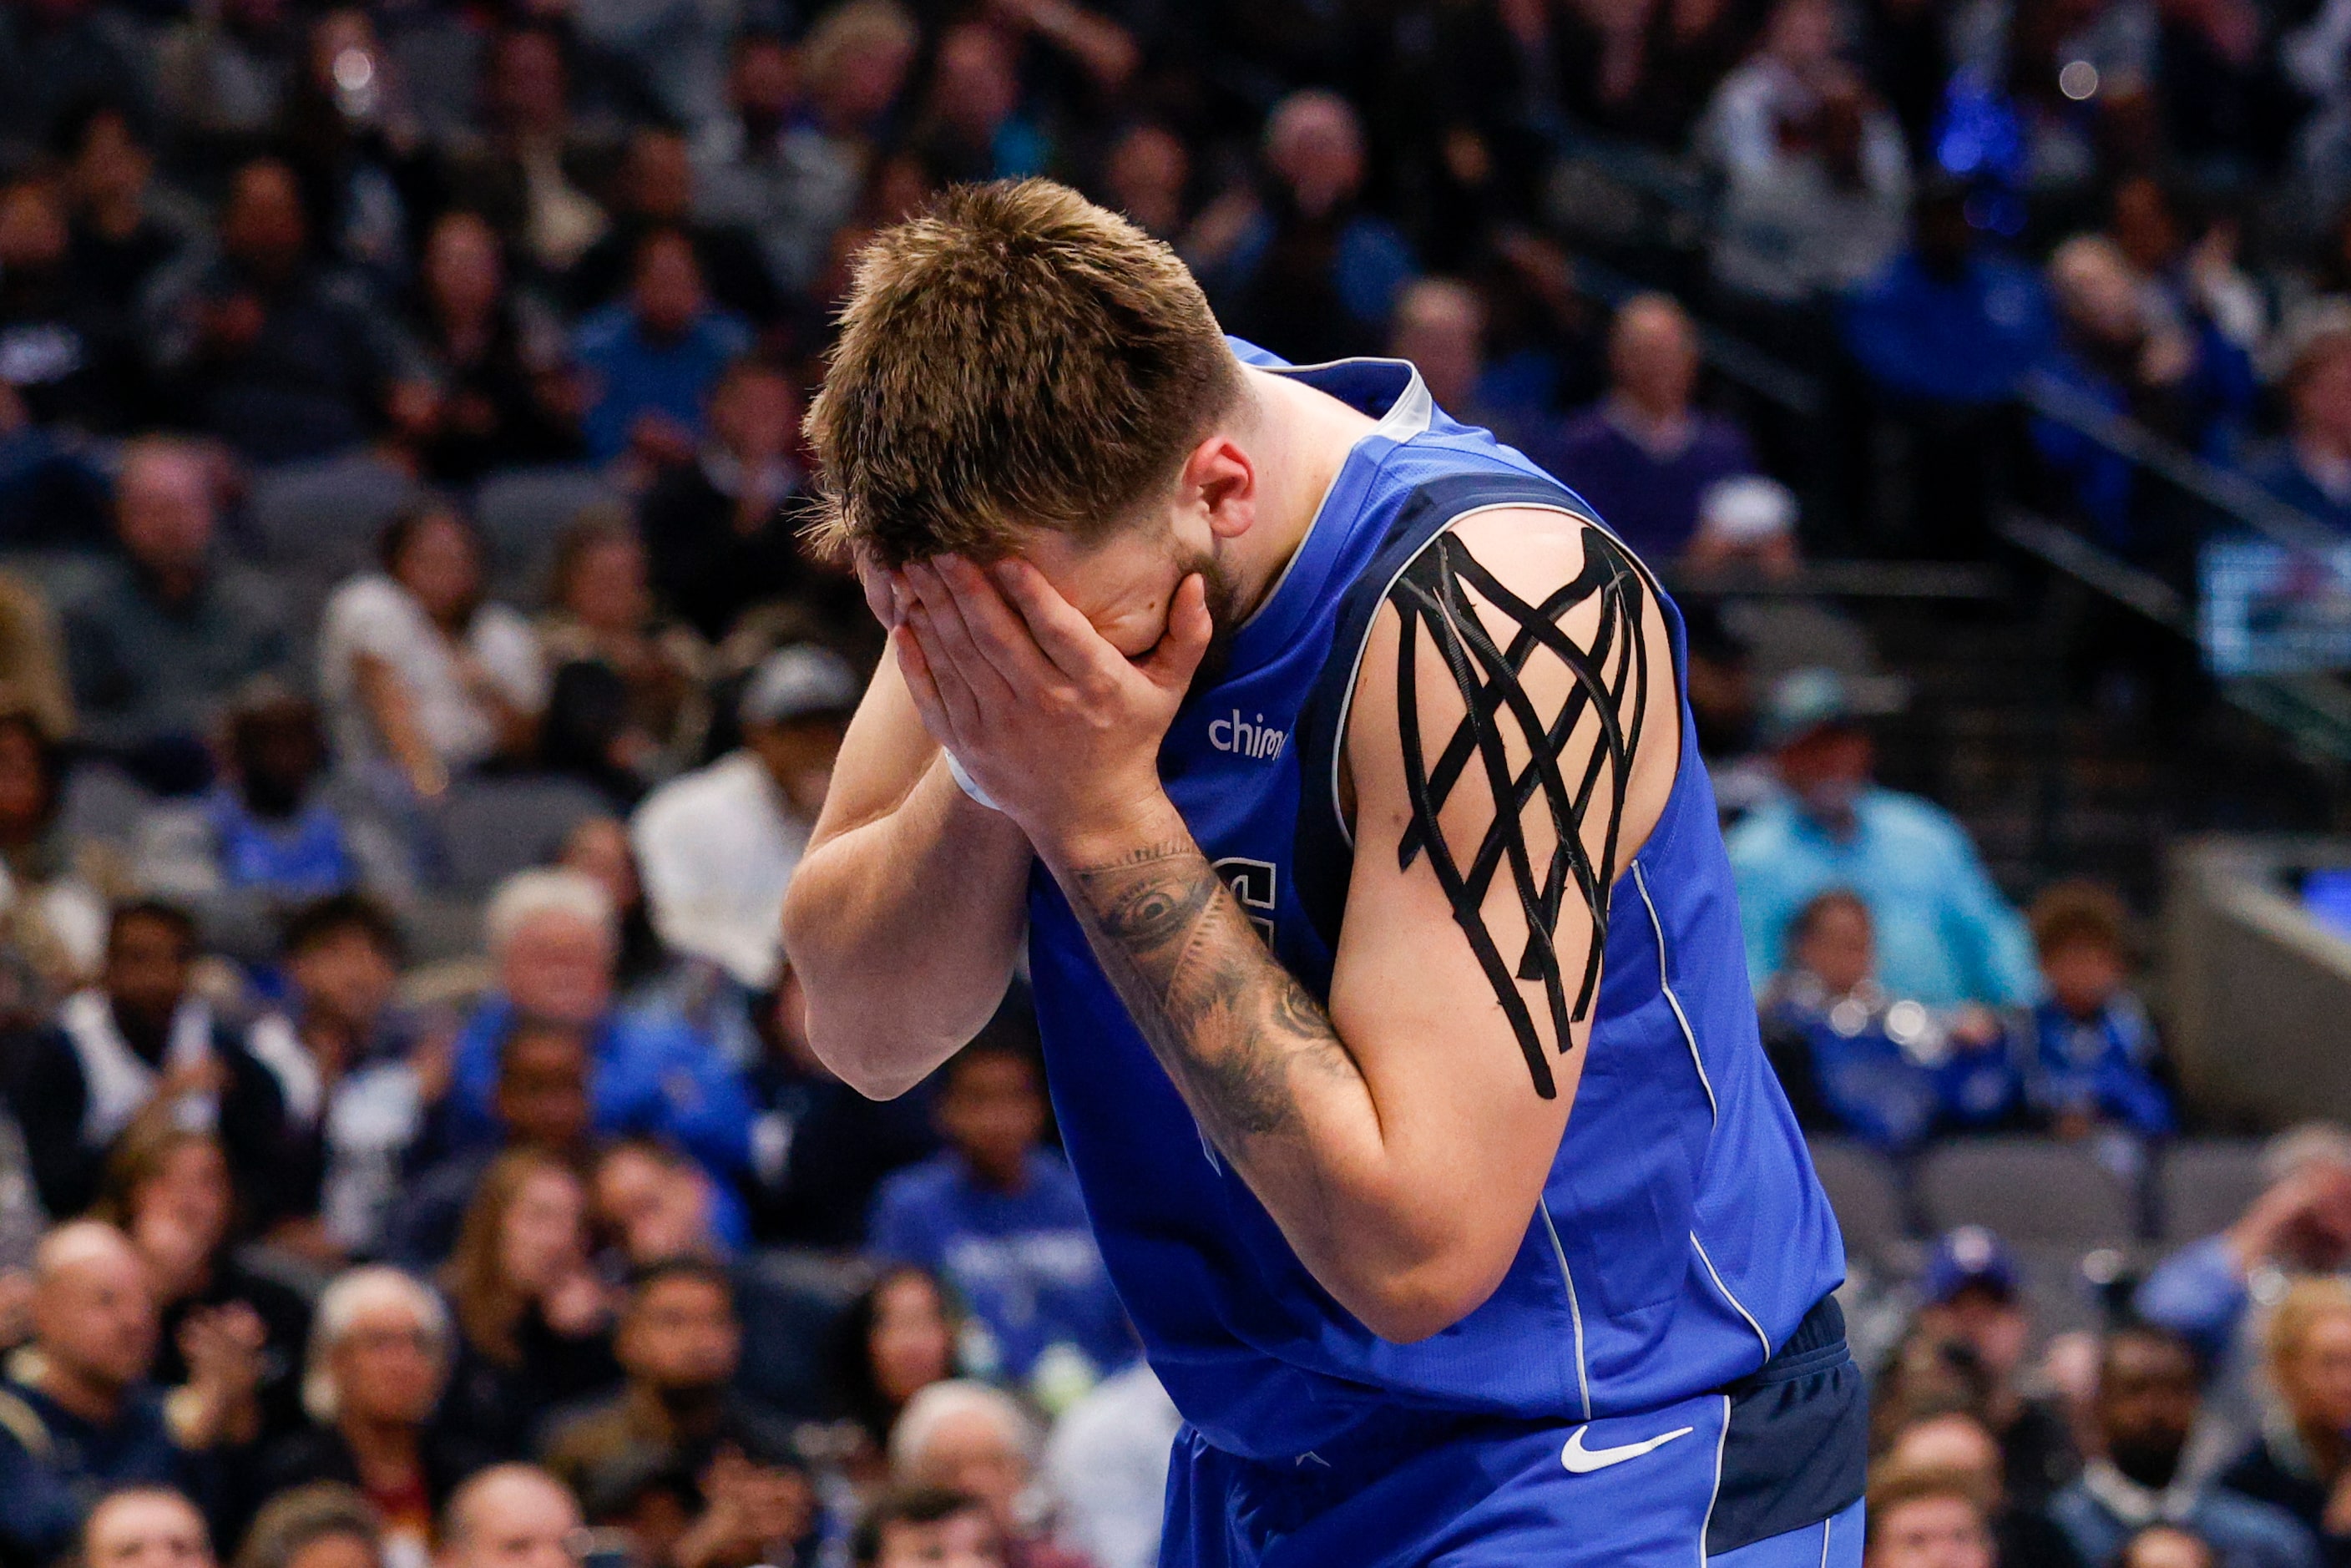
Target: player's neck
[1302,441]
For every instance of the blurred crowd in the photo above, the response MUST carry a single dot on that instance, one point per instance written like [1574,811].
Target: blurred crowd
[415,694]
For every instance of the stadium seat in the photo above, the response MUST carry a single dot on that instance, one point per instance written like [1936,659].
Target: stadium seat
[2028,1190]
[490,829]
[1866,1190]
[523,512]
[325,515]
[2204,1185]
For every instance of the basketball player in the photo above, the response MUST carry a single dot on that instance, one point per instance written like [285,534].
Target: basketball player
[1333,761]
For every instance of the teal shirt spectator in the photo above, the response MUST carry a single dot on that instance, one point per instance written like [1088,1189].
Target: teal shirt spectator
[1945,935]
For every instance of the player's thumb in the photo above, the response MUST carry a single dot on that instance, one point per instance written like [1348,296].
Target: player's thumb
[1189,627]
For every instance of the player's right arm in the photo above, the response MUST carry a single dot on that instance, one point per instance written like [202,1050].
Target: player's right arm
[905,915]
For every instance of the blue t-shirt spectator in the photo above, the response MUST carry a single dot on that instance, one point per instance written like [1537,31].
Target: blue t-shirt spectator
[656,353]
[652,1075]
[1945,935]
[1023,1260]
[2102,1066]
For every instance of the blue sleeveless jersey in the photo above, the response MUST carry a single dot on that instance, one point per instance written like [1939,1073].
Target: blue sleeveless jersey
[1682,1235]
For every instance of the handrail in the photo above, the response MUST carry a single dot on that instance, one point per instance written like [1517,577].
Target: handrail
[2218,487]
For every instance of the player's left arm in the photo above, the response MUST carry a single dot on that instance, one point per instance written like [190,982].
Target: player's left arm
[1513,733]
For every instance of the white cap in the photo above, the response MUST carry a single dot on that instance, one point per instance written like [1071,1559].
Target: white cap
[1747,511]
[798,682]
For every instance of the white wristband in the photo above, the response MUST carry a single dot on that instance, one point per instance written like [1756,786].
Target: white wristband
[963,781]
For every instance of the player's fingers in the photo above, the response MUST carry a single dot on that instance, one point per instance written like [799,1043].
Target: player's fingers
[952,635]
[996,630]
[919,685]
[1189,628]
[1068,638]
[947,677]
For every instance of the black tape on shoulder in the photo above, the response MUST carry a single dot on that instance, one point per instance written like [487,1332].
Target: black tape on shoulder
[1433,596]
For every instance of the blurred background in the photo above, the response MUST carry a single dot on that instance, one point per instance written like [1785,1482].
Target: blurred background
[414,696]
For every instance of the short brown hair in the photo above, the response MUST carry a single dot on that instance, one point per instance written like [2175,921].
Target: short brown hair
[1894,1486]
[1014,357]
[2082,912]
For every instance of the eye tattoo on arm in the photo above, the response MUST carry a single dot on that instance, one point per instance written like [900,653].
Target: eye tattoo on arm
[1222,1015]
[1610,679]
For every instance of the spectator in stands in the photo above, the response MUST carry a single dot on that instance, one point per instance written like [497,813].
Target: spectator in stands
[656,191]
[2300,1225]
[637,713]
[970,1437]
[2146,1402]
[324,1524]
[266,836]
[655,1204]
[2088,1053]
[2303,1455]
[916,1527]
[1107,1462]
[64,356]
[1927,1519]
[1147,175]
[1826,204]
[2311,468]
[721,532]
[1858,1060]
[540,1102]
[145,1527]
[970,126]
[1949,323]
[142,1037]
[1440,326]
[423,679]
[2199,282]
[532,1320]
[791,175]
[1974,1289]
[57,56]
[1956,1442]
[720,846]
[529,168]
[510,1516]
[354,152]
[553,938]
[653,358]
[123,236]
[679,1343]
[1302,267]
[158,640]
[822,1150]
[167,1189]
[2123,356]
[378,1358]
[1000,1218]
[504,395]
[277,357]
[1944,935]
[221,74]
[1645,456]
[339,1052]
[649,977]
[53,917]
[897,1338]
[85,1418]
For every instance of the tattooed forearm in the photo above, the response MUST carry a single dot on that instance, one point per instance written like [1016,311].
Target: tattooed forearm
[1232,1027]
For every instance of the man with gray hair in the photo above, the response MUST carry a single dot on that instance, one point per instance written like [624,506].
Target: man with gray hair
[718,847]
[554,941]
[380,1355]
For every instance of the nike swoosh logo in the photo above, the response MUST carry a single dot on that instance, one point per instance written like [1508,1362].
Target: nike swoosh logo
[1581,1461]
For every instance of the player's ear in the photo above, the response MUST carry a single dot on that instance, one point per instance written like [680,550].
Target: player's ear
[1220,479]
